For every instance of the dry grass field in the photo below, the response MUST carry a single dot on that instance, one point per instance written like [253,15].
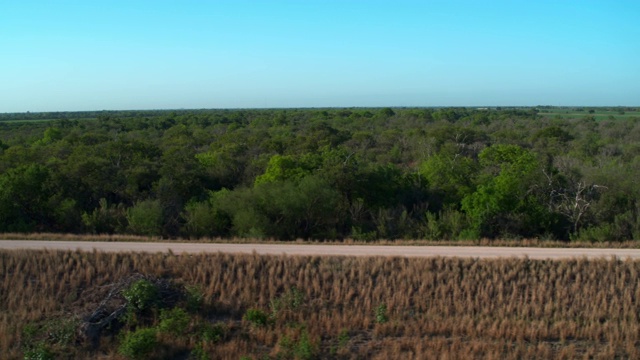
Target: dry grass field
[283,307]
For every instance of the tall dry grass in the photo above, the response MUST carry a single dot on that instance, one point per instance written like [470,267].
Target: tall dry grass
[437,307]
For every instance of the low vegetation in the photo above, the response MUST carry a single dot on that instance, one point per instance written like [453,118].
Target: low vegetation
[56,304]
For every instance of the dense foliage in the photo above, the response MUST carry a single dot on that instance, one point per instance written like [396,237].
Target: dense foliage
[441,173]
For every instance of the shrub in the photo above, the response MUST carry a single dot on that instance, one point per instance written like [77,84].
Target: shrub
[37,340]
[214,333]
[174,321]
[105,219]
[199,353]
[256,317]
[141,295]
[29,333]
[305,349]
[381,314]
[145,218]
[138,344]
[292,299]
[62,331]
[343,338]
[195,298]
[600,233]
[202,219]
[38,352]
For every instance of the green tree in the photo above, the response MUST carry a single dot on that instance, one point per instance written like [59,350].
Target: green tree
[504,203]
[283,209]
[24,199]
[224,163]
[450,175]
[288,167]
[316,213]
[205,218]
[145,218]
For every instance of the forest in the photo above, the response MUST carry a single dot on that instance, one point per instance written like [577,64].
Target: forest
[337,173]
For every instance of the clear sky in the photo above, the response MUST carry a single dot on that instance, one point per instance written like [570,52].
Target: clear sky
[58,55]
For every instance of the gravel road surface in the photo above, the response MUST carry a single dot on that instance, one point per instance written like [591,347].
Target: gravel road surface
[325,250]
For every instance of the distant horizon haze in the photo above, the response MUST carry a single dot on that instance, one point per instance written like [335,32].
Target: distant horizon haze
[332,107]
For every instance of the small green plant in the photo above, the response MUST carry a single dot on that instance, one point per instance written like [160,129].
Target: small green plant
[214,333]
[195,298]
[141,295]
[343,338]
[38,351]
[275,305]
[62,331]
[292,299]
[256,317]
[38,339]
[29,333]
[199,353]
[174,321]
[305,349]
[287,345]
[138,344]
[381,314]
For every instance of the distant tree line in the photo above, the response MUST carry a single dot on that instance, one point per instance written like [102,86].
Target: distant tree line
[423,173]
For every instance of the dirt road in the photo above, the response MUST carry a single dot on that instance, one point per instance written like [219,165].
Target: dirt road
[333,250]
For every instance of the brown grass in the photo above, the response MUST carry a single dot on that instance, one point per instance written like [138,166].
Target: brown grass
[437,308]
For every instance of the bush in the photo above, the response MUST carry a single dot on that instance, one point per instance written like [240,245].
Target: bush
[256,317]
[600,233]
[195,298]
[343,338]
[292,299]
[138,344]
[304,348]
[214,333]
[174,321]
[381,314]
[141,295]
[38,352]
[199,353]
[62,331]
[37,341]
[199,218]
[105,219]
[145,218]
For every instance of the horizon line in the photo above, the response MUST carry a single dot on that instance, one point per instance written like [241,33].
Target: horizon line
[329,107]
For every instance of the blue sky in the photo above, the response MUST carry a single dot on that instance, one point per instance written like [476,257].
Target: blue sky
[135,54]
